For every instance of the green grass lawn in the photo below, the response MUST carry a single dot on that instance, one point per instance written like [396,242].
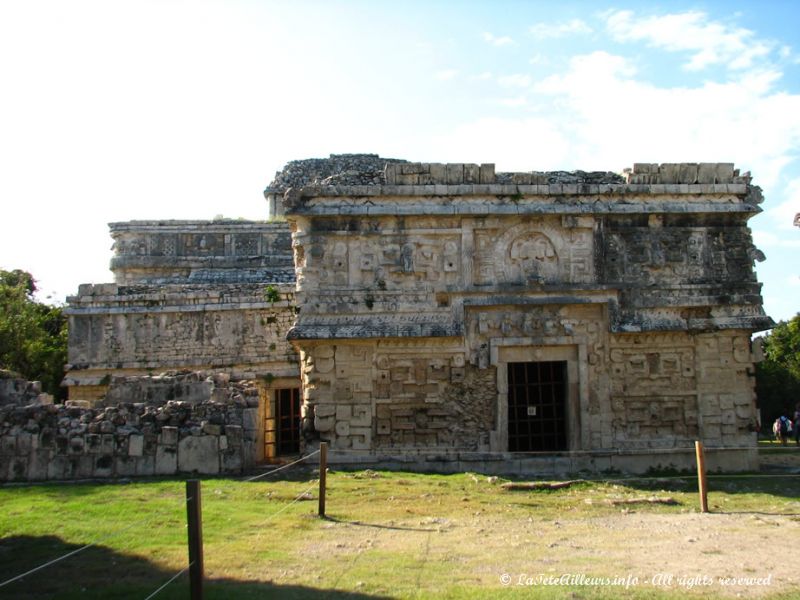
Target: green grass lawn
[388,535]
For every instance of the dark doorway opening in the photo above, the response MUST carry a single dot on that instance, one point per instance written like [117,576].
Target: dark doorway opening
[283,423]
[537,413]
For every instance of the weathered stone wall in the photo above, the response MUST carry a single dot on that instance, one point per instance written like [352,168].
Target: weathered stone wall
[412,283]
[212,426]
[197,295]
[131,329]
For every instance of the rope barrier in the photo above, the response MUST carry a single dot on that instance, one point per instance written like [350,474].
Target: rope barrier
[519,455]
[173,578]
[286,466]
[297,498]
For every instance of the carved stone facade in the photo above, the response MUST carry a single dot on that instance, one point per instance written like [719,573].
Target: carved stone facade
[420,298]
[450,317]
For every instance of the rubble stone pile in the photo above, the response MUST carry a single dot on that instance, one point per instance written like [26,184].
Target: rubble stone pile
[184,423]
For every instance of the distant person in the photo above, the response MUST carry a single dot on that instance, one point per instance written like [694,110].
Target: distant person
[782,428]
[796,423]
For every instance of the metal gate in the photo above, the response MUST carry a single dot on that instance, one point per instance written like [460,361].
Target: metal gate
[282,435]
[537,395]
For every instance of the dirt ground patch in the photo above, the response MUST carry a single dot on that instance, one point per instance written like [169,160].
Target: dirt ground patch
[723,554]
[720,554]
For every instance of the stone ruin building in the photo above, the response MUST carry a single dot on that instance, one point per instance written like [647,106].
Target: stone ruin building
[445,316]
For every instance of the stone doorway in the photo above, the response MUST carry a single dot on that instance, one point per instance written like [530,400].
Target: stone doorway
[537,406]
[282,423]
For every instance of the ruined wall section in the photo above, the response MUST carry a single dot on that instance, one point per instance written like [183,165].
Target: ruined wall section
[166,425]
[16,391]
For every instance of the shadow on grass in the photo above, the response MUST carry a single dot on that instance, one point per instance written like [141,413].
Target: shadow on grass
[773,485]
[101,573]
[377,525]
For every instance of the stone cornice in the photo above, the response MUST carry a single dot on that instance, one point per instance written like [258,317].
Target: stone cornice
[510,189]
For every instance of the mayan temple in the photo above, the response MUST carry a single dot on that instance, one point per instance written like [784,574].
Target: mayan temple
[446,316]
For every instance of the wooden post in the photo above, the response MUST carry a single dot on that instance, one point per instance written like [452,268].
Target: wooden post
[195,519]
[323,472]
[702,483]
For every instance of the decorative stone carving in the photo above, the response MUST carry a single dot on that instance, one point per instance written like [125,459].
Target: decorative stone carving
[532,258]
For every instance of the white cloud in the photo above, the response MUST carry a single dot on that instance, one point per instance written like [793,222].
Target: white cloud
[557,30]
[497,41]
[484,76]
[710,42]
[513,102]
[607,119]
[783,213]
[446,74]
[515,80]
[768,239]
[538,59]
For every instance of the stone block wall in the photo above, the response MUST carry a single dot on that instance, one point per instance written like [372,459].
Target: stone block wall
[215,431]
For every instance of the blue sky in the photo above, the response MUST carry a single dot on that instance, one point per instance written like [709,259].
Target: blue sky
[115,110]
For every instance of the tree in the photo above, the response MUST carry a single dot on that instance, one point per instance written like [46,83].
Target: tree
[33,335]
[778,376]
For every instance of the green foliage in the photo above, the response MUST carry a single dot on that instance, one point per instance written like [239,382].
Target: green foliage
[272,294]
[782,345]
[778,376]
[33,336]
